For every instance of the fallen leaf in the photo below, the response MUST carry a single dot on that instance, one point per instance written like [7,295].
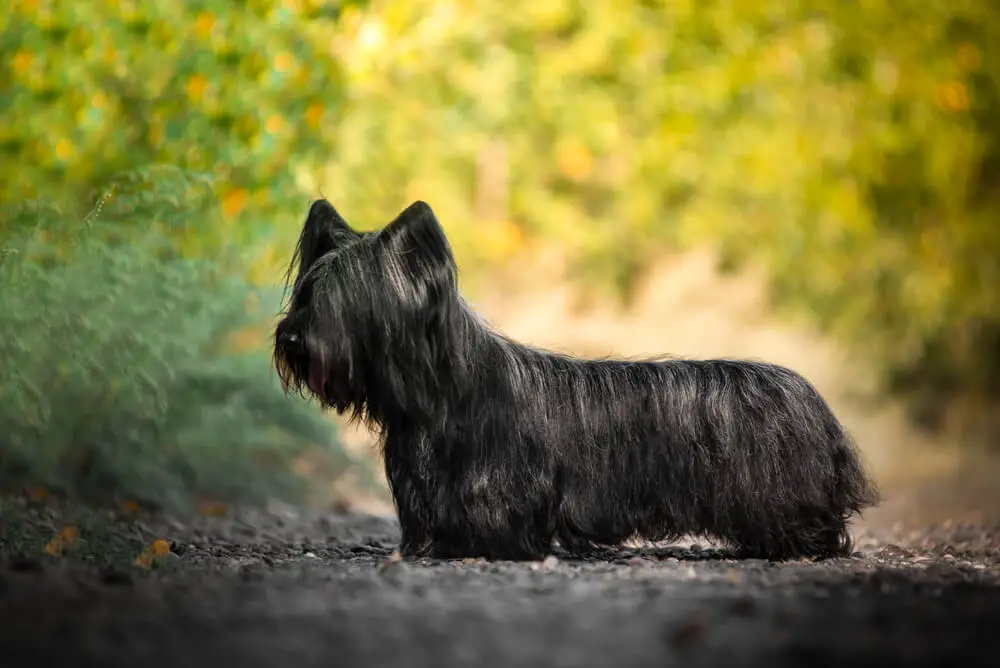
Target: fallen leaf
[212,509]
[130,506]
[144,560]
[158,549]
[62,540]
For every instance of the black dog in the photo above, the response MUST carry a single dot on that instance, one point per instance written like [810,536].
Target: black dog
[494,449]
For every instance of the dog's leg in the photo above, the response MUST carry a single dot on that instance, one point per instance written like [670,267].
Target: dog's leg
[409,498]
[484,521]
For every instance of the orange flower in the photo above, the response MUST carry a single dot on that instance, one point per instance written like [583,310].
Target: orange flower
[284,62]
[234,201]
[274,124]
[22,61]
[574,159]
[196,86]
[203,24]
[953,96]
[314,114]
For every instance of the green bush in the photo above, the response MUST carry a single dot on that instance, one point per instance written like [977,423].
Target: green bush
[123,374]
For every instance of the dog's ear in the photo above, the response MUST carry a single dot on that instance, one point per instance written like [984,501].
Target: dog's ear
[324,230]
[416,239]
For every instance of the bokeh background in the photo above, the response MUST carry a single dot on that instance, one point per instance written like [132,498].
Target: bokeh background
[812,182]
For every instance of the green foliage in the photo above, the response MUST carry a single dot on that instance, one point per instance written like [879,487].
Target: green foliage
[123,371]
[235,89]
[850,149]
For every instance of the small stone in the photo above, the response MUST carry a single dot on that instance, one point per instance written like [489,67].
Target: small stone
[893,551]
[116,578]
[394,564]
[550,562]
[688,632]
[26,565]
[744,607]
[943,570]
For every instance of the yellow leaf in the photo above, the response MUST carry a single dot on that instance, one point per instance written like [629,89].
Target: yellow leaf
[65,149]
[203,24]
[157,549]
[953,96]
[314,114]
[196,86]
[283,62]
[574,159]
[144,560]
[274,124]
[65,538]
[22,61]
[234,202]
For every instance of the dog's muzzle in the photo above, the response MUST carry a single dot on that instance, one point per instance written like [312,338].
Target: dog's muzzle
[295,346]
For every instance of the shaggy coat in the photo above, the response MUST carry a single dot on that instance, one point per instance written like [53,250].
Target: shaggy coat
[496,449]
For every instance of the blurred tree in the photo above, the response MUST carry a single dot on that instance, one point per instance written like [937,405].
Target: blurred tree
[852,149]
[241,91]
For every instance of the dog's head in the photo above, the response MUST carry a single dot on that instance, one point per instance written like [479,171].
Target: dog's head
[364,306]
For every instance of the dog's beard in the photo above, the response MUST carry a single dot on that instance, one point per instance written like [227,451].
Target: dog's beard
[316,378]
[310,376]
[298,373]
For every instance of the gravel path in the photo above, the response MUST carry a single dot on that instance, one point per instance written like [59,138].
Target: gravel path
[273,589]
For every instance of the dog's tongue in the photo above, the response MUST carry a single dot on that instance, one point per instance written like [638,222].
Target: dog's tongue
[316,381]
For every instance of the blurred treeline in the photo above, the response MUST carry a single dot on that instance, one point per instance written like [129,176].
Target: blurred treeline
[849,148]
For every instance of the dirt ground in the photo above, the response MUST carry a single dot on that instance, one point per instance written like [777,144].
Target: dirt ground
[275,589]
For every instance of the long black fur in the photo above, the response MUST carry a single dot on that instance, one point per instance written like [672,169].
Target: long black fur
[495,449]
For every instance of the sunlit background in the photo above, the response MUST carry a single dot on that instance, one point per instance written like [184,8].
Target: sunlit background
[816,183]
